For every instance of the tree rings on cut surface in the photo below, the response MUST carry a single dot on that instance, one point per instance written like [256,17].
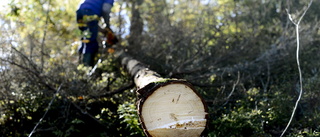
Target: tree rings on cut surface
[173,109]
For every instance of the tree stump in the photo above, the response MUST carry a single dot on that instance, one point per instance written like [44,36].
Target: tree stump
[166,107]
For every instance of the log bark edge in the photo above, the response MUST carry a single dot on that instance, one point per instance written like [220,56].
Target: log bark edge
[191,124]
[166,107]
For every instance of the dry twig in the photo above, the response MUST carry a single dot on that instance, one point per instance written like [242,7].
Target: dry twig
[298,63]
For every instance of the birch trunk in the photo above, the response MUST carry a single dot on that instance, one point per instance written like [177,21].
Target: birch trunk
[166,107]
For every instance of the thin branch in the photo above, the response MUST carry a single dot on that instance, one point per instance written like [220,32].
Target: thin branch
[233,88]
[29,61]
[108,94]
[49,106]
[29,70]
[44,35]
[83,111]
[298,63]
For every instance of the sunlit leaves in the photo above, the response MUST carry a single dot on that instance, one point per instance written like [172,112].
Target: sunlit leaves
[128,115]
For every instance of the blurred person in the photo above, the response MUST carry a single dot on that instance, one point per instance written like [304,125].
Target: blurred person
[88,16]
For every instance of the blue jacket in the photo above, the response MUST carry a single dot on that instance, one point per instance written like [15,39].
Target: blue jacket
[95,5]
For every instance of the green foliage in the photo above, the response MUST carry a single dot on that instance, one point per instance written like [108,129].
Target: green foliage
[245,117]
[238,123]
[239,54]
[128,113]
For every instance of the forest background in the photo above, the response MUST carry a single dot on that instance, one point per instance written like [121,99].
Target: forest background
[239,54]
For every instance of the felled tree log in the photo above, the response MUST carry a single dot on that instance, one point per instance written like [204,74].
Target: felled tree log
[166,107]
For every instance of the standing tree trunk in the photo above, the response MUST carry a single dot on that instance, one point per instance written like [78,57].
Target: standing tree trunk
[166,107]
[136,26]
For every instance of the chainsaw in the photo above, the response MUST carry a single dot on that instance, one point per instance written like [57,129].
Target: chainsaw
[111,38]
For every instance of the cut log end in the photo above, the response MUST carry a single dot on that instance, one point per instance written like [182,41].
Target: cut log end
[174,109]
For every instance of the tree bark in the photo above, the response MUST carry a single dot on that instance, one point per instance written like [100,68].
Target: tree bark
[166,107]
